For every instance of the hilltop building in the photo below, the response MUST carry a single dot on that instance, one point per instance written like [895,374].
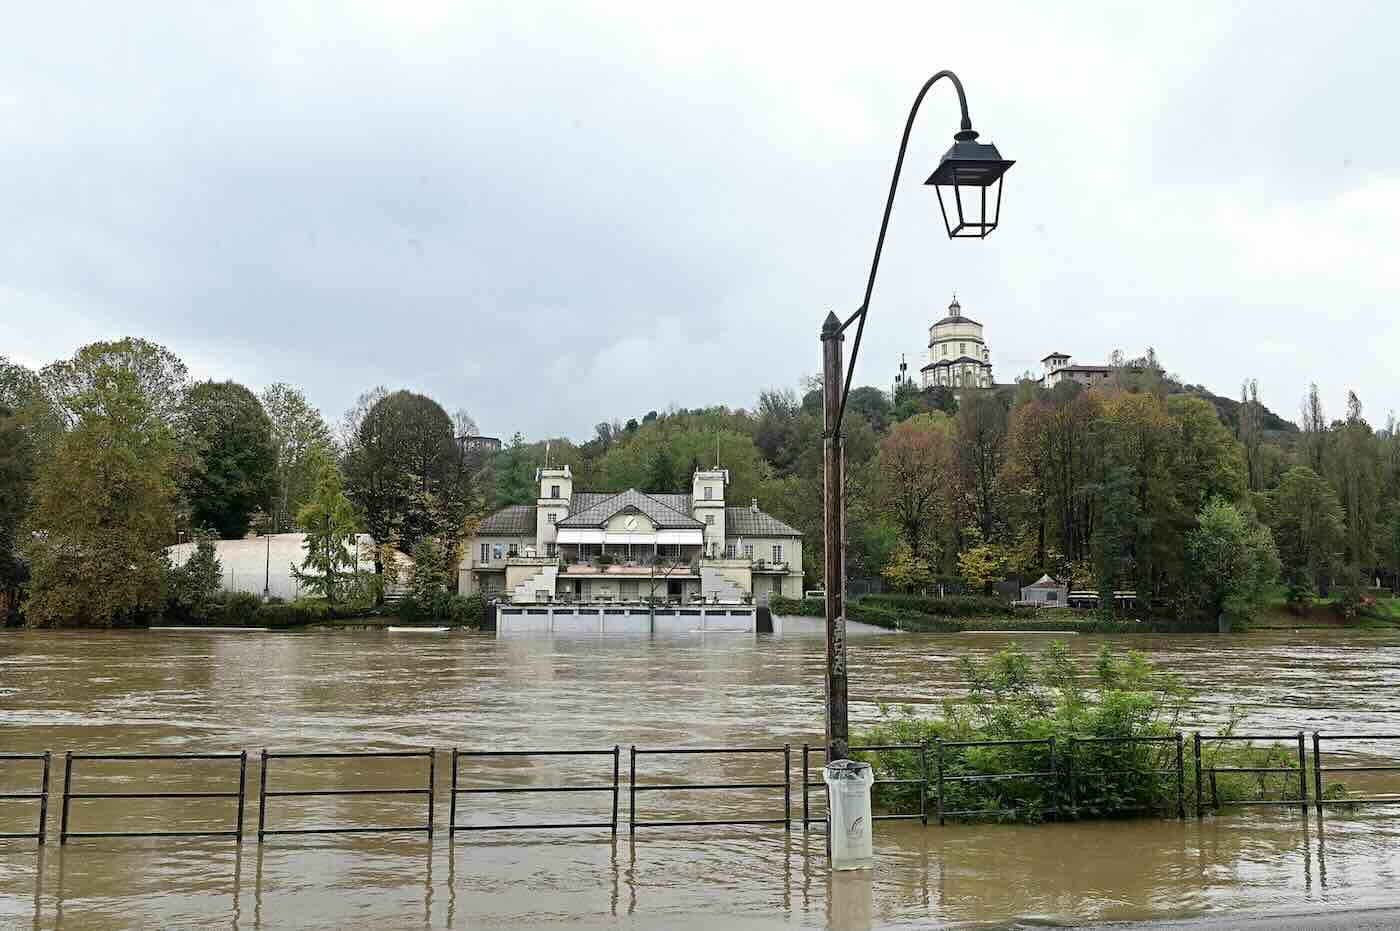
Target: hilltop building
[594,546]
[958,356]
[1059,367]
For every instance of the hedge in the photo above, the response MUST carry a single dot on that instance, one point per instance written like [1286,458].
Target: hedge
[954,606]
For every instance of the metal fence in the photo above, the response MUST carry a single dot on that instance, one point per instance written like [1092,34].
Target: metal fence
[1078,773]
[614,788]
[264,793]
[1047,775]
[786,785]
[1261,772]
[1319,770]
[69,795]
[41,795]
[921,782]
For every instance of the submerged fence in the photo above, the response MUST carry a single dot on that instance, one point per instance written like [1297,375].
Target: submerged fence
[967,780]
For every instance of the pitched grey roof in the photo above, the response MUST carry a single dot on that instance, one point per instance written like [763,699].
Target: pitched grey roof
[516,520]
[746,522]
[658,511]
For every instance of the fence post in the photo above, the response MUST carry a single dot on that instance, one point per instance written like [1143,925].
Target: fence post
[1303,772]
[632,794]
[1317,769]
[44,801]
[262,796]
[787,787]
[452,805]
[940,782]
[923,788]
[242,783]
[1073,779]
[1054,779]
[432,781]
[1200,808]
[1180,778]
[67,780]
[806,813]
[616,770]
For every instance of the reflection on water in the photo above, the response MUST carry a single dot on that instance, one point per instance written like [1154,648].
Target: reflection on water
[218,693]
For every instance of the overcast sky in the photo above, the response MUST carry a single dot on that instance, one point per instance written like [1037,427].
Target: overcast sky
[554,214]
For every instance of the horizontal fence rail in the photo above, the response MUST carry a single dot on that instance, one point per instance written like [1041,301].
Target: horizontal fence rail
[69,795]
[786,785]
[41,795]
[1199,743]
[1319,770]
[1049,775]
[1179,771]
[921,782]
[613,788]
[264,793]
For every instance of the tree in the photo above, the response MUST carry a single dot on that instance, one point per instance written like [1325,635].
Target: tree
[515,475]
[191,588]
[1314,429]
[1114,541]
[983,566]
[234,453]
[1232,561]
[159,376]
[330,525]
[981,450]
[299,439]
[906,572]
[913,475]
[103,508]
[1309,529]
[1355,465]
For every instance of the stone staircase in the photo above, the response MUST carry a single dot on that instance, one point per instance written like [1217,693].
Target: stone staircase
[715,584]
[544,580]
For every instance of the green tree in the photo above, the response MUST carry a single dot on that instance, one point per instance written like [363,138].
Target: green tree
[983,565]
[1115,537]
[914,476]
[299,436]
[234,456]
[1309,529]
[160,377]
[906,572]
[330,524]
[191,588]
[103,509]
[515,474]
[1232,561]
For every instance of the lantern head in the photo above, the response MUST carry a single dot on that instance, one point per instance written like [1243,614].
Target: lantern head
[969,174]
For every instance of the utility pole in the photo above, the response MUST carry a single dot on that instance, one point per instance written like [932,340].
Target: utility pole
[838,731]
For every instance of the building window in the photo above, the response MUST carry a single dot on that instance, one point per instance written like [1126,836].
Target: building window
[553,518]
[731,550]
[486,552]
[710,519]
[748,551]
[498,551]
[962,349]
[777,552]
[709,492]
[549,549]
[554,491]
[945,349]
[512,551]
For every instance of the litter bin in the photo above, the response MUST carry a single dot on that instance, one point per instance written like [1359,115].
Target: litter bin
[848,792]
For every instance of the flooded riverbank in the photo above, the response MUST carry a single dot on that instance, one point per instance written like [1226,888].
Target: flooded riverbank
[326,691]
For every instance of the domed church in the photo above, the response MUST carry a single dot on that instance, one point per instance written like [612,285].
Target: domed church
[958,357]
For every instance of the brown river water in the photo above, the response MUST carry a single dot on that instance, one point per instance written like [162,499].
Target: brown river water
[165,692]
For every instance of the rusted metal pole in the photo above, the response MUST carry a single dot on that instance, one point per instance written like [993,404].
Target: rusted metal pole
[838,737]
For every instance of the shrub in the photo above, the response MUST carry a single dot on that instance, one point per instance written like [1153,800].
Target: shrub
[953,606]
[240,609]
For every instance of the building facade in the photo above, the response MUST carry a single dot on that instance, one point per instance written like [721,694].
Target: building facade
[958,356]
[1059,367]
[583,546]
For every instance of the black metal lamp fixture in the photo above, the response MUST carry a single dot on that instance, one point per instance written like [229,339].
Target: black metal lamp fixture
[971,171]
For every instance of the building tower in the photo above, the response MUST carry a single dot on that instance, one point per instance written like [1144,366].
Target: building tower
[958,356]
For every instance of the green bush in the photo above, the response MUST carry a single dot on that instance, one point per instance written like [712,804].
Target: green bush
[240,609]
[952,606]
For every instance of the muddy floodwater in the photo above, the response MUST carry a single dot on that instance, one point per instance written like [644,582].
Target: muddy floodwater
[165,692]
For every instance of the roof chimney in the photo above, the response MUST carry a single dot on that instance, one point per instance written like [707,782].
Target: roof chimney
[753,505]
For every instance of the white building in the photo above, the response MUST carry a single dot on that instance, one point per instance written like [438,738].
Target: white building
[958,356]
[1059,367]
[625,546]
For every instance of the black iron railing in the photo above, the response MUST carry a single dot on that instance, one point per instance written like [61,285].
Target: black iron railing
[41,796]
[1319,770]
[614,787]
[921,782]
[69,795]
[1077,773]
[1048,776]
[264,793]
[786,785]
[1261,772]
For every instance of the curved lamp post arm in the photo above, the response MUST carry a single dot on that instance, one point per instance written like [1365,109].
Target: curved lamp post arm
[965,134]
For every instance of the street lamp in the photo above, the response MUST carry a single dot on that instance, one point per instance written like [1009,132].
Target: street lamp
[968,181]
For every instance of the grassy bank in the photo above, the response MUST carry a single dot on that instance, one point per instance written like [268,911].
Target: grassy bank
[972,613]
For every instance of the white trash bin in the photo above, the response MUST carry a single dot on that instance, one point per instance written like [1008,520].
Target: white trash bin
[848,791]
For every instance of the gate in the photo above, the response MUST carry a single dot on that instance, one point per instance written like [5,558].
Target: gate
[453,826]
[69,795]
[786,785]
[264,793]
[42,796]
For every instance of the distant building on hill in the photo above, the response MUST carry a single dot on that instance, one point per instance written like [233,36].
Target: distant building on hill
[1059,367]
[958,356]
